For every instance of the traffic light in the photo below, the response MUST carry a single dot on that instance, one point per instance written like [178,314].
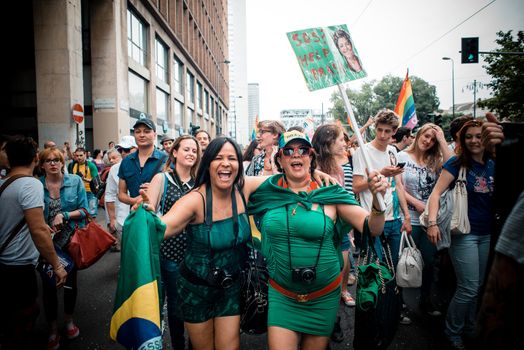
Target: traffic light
[470,50]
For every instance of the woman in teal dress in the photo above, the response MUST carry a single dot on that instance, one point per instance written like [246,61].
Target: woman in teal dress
[301,227]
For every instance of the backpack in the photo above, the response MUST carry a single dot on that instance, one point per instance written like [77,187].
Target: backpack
[102,187]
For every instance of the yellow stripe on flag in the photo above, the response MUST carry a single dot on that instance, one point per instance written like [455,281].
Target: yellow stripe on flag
[143,303]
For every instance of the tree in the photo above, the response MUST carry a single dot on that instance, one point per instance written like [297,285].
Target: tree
[507,72]
[374,96]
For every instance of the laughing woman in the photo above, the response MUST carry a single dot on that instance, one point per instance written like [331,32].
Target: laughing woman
[298,240]
[165,189]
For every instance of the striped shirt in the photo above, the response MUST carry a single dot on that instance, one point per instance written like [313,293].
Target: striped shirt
[348,177]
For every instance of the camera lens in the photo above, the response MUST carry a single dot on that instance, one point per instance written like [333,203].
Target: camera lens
[308,275]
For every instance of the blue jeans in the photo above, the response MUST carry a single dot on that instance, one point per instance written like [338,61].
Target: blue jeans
[428,251]
[392,236]
[170,275]
[92,201]
[469,255]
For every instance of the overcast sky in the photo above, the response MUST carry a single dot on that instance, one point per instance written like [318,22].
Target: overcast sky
[390,36]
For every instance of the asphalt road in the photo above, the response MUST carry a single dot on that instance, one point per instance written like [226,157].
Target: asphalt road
[94,307]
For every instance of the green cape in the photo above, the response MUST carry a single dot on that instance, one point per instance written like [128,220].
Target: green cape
[270,195]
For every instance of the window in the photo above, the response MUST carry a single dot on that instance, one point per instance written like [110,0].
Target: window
[161,60]
[137,92]
[190,87]
[199,96]
[206,101]
[136,38]
[161,104]
[178,73]
[179,107]
[189,116]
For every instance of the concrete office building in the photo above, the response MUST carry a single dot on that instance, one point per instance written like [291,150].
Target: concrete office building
[238,95]
[121,60]
[253,105]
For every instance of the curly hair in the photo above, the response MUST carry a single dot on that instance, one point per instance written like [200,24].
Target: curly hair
[387,116]
[433,156]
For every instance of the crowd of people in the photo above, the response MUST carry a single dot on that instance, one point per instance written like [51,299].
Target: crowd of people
[302,192]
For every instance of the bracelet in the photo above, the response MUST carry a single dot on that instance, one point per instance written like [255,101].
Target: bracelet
[377,211]
[66,216]
[431,225]
[60,267]
[432,222]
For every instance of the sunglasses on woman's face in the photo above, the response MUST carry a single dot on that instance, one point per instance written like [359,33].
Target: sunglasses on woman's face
[302,151]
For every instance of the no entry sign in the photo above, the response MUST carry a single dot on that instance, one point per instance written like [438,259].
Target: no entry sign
[78,113]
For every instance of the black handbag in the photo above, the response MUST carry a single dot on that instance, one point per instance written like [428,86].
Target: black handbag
[253,294]
[375,326]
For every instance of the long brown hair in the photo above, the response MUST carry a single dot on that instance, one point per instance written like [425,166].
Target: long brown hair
[464,157]
[432,157]
[324,137]
[176,146]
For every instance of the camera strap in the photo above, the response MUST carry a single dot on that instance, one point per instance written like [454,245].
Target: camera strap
[289,235]
[209,215]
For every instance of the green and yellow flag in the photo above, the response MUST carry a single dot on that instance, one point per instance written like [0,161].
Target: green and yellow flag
[136,316]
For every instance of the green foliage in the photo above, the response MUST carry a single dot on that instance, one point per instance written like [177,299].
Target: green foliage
[507,72]
[373,96]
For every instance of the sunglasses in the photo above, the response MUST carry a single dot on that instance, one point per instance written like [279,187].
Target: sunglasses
[49,161]
[302,151]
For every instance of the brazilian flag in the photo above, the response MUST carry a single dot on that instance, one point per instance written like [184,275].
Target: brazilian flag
[136,316]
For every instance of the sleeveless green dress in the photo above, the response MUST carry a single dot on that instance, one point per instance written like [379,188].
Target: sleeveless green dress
[220,248]
[317,316]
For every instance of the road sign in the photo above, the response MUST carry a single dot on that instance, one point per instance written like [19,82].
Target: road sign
[78,113]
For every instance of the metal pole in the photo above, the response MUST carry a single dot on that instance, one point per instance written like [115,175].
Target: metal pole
[349,109]
[474,98]
[453,85]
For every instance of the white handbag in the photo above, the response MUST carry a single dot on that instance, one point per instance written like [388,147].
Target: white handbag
[459,220]
[410,263]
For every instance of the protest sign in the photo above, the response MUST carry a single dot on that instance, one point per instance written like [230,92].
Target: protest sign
[326,55]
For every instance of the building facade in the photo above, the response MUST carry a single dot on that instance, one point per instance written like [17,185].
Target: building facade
[297,117]
[253,104]
[120,60]
[238,96]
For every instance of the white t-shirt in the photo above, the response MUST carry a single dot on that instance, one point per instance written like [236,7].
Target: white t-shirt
[111,195]
[418,181]
[22,194]
[379,160]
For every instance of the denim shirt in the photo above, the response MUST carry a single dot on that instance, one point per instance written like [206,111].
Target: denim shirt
[72,197]
[134,176]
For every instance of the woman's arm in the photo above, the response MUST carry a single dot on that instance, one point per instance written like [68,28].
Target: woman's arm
[181,214]
[442,184]
[155,190]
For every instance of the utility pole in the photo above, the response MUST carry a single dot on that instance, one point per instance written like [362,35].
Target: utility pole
[322,115]
[474,86]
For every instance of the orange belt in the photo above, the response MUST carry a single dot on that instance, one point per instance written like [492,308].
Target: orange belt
[302,298]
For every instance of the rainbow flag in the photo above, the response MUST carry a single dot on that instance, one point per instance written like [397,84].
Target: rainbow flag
[255,129]
[405,107]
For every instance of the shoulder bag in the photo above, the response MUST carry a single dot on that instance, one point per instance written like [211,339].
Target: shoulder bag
[88,244]
[254,289]
[377,312]
[410,263]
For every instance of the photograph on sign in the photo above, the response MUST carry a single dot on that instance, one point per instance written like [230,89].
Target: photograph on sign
[327,56]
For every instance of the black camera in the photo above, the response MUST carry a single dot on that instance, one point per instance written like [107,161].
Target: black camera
[220,278]
[304,274]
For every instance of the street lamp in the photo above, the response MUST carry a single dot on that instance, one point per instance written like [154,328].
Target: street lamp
[452,81]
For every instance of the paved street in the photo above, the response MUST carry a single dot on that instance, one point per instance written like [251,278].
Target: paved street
[97,287]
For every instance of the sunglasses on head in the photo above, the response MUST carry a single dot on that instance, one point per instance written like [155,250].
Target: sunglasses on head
[302,151]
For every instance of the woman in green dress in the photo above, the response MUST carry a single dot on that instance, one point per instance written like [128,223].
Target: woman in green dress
[301,227]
